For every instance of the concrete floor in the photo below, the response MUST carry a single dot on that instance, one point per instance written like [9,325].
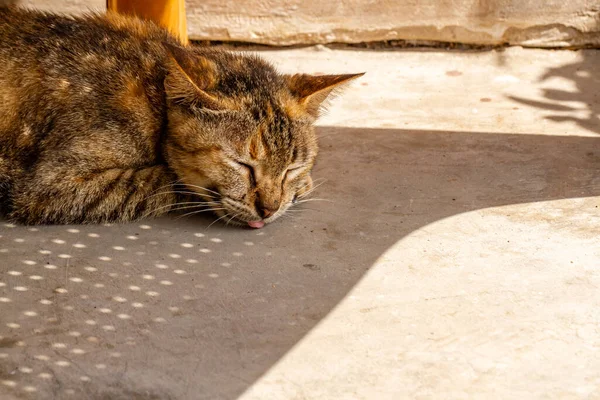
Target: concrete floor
[459,256]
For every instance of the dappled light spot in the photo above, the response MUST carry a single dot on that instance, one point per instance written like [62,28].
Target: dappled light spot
[58,241]
[93,235]
[113,275]
[104,258]
[62,363]
[249,243]
[187,245]
[199,234]
[137,305]
[152,293]
[45,252]
[2,284]
[140,253]
[59,345]
[166,283]
[19,240]
[153,242]
[13,325]
[52,319]
[21,288]
[213,275]
[105,310]
[64,256]
[36,278]
[179,271]
[84,378]
[74,333]
[237,254]
[204,250]
[5,300]
[3,250]
[78,351]
[50,266]
[191,261]
[30,389]
[84,296]
[174,309]
[45,375]
[109,328]
[76,279]
[80,245]
[134,288]
[68,308]
[127,263]
[119,299]
[124,316]
[30,313]
[91,269]
[160,319]
[41,357]
[101,366]
[145,227]
[148,277]
[10,225]
[92,339]
[25,370]
[15,273]
[187,297]
[119,248]
[61,290]
[29,262]
[45,301]
[226,264]
[132,237]
[115,354]
[8,383]
[3,355]
[174,256]
[216,240]
[90,322]
[73,230]
[98,285]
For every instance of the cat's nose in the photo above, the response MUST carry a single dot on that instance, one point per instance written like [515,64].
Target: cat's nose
[266,209]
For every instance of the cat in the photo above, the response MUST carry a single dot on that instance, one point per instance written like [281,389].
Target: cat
[108,118]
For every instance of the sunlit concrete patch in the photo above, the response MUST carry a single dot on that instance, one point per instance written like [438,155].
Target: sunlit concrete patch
[487,304]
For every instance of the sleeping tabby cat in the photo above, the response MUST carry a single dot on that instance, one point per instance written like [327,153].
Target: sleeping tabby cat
[109,118]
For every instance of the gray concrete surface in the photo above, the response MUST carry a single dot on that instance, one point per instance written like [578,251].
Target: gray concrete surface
[458,256]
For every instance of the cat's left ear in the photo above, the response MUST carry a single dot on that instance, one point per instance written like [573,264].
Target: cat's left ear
[190,78]
[312,90]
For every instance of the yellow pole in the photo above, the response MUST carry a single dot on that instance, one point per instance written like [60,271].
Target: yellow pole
[168,13]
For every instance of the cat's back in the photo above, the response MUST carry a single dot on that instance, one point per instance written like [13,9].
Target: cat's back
[64,79]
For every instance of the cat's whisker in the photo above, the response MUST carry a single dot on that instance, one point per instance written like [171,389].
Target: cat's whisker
[314,199]
[203,188]
[173,192]
[200,211]
[218,219]
[171,206]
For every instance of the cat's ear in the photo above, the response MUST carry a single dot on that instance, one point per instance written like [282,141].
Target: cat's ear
[312,90]
[189,78]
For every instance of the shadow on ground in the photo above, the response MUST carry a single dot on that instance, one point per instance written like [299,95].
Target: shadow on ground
[168,309]
[580,106]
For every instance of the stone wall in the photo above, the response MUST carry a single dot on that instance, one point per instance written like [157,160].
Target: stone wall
[536,23]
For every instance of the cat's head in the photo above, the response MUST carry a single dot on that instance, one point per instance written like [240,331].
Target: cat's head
[240,134]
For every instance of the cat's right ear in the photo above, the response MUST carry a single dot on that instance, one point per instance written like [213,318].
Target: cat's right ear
[190,78]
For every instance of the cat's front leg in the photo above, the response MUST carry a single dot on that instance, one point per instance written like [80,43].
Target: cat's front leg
[56,195]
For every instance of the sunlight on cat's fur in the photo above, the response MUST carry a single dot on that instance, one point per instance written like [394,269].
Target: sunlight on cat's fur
[108,118]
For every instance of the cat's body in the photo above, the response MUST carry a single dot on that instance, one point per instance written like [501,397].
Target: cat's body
[108,118]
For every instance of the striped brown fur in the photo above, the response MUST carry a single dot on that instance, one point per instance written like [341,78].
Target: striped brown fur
[109,118]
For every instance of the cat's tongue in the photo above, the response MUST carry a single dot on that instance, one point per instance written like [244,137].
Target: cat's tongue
[256,224]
